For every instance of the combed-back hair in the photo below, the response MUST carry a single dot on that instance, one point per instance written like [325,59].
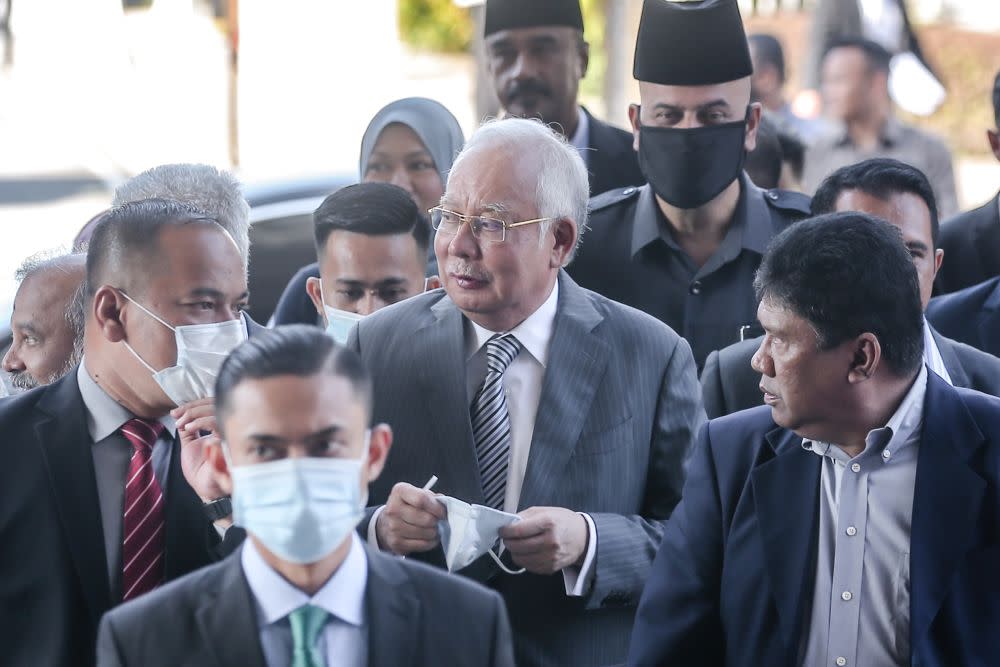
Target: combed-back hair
[297,349]
[373,209]
[848,274]
[769,51]
[878,56]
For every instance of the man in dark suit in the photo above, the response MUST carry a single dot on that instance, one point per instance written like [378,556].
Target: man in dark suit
[972,239]
[536,55]
[523,392]
[900,194]
[100,502]
[852,521]
[971,315]
[295,409]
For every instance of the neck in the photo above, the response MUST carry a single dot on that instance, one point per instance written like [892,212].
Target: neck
[510,318]
[873,411]
[310,577]
[707,225]
[119,388]
[865,132]
[571,122]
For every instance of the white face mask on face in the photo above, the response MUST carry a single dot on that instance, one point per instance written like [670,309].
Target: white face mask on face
[338,322]
[470,532]
[201,349]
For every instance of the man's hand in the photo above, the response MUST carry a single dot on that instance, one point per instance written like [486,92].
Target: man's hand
[546,539]
[197,429]
[408,522]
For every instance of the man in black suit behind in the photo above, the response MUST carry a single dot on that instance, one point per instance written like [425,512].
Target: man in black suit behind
[296,410]
[70,546]
[901,195]
[536,55]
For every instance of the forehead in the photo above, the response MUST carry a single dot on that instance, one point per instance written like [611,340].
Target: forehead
[845,57]
[778,317]
[199,255]
[293,406]
[384,254]
[398,137]
[524,37]
[904,210]
[491,175]
[46,289]
[734,93]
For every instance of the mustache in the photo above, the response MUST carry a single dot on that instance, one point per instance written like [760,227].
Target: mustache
[468,270]
[528,87]
[23,381]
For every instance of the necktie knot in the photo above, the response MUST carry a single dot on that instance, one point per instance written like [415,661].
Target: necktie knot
[142,433]
[307,622]
[500,352]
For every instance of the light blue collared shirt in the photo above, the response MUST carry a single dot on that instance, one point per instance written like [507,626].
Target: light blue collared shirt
[344,639]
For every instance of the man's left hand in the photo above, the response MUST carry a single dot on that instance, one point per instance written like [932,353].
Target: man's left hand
[198,431]
[546,539]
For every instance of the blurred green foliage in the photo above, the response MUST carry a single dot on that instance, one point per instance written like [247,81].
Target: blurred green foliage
[435,25]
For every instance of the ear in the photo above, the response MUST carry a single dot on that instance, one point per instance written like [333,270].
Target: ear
[431,283]
[107,309]
[938,258]
[584,55]
[753,123]
[633,117]
[378,450]
[565,233]
[220,469]
[314,288]
[865,359]
[993,136]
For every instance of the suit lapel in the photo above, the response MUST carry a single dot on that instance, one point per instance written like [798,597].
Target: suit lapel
[577,362]
[393,613]
[441,348]
[187,538]
[948,497]
[66,448]
[227,620]
[989,322]
[603,145]
[958,375]
[786,493]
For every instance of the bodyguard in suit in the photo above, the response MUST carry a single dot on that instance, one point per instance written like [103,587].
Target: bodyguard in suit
[972,238]
[852,521]
[98,501]
[523,392]
[971,315]
[685,247]
[901,195]
[298,454]
[536,55]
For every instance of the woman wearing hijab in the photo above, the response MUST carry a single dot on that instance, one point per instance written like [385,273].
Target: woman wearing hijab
[410,143]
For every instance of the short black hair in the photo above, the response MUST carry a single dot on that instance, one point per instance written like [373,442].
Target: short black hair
[878,56]
[793,152]
[996,99]
[126,239]
[763,163]
[296,349]
[847,274]
[374,209]
[769,51]
[881,178]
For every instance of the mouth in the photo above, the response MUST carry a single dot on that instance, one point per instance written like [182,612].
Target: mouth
[769,398]
[466,281]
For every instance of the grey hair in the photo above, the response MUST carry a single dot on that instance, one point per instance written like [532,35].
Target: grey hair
[562,189]
[214,191]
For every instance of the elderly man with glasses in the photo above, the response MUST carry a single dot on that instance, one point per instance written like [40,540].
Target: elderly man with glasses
[525,394]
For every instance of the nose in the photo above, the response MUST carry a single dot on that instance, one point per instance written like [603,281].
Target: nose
[761,360]
[369,304]
[401,179]
[12,362]
[463,243]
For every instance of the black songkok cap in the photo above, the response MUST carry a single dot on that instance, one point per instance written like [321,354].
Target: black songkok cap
[510,14]
[691,43]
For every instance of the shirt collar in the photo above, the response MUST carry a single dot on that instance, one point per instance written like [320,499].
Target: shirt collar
[105,415]
[581,138]
[342,596]
[897,432]
[533,333]
[932,355]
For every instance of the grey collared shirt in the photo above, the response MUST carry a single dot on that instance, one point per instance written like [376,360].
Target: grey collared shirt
[112,453]
[899,141]
[861,599]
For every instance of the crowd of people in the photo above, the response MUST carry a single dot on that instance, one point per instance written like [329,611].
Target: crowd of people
[554,394]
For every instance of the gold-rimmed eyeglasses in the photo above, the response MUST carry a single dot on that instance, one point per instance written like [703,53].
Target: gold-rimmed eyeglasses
[483,228]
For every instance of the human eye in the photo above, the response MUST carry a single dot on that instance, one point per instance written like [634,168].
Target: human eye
[391,294]
[420,165]
[351,293]
[377,168]
[491,225]
[264,452]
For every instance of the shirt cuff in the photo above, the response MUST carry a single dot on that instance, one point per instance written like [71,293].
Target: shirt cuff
[578,580]
[372,536]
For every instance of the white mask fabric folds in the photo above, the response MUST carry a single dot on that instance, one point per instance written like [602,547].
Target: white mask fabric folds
[338,322]
[471,531]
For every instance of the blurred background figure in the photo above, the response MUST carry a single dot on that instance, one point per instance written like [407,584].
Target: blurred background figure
[776,161]
[47,323]
[856,96]
[767,86]
[410,143]
[536,56]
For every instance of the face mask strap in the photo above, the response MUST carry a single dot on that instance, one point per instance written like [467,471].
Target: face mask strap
[141,360]
[147,311]
[503,567]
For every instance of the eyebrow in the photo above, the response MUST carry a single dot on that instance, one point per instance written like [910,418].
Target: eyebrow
[385,282]
[264,438]
[215,294]
[27,327]
[919,245]
[701,107]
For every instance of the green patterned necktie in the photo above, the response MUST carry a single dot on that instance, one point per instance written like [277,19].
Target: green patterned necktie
[307,622]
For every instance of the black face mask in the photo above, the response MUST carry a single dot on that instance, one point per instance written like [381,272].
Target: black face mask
[689,168]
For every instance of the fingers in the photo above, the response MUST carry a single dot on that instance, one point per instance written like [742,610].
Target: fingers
[198,411]
[179,411]
[408,522]
[195,426]
[418,499]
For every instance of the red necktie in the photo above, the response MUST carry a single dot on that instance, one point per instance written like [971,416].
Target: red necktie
[142,548]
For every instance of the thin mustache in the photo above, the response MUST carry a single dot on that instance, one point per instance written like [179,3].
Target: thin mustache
[468,271]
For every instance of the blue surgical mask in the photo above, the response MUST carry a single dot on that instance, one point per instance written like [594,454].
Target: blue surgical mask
[301,509]
[338,322]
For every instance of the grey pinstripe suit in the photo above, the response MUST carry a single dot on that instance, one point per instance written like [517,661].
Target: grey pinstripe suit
[619,409]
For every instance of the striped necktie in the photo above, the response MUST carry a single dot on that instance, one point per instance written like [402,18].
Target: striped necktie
[491,422]
[142,548]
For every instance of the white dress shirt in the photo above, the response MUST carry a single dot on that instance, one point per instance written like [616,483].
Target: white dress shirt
[581,138]
[932,355]
[344,638]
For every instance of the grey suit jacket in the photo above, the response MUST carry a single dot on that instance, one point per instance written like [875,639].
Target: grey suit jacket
[415,616]
[729,384]
[619,408]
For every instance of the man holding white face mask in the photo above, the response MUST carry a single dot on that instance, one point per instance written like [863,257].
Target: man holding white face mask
[298,454]
[102,500]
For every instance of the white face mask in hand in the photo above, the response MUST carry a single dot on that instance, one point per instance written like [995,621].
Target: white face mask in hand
[470,532]
[201,349]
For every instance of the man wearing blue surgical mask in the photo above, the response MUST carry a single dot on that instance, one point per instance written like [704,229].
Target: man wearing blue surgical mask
[298,453]
[99,501]
[685,247]
[371,243]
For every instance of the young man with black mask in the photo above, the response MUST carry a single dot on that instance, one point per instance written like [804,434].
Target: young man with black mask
[685,247]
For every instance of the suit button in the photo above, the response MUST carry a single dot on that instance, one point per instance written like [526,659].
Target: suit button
[628,191]
[841,661]
[773,196]
[696,288]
